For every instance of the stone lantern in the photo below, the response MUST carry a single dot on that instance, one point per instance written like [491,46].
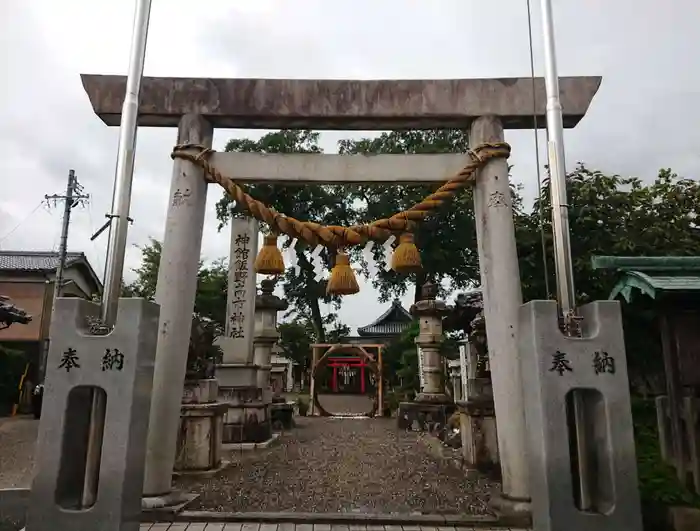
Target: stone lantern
[429,313]
[432,407]
[266,335]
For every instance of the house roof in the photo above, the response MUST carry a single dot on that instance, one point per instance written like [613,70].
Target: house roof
[392,322]
[651,275]
[45,262]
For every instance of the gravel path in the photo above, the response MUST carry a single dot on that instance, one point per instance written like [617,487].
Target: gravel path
[346,404]
[341,465]
[17,441]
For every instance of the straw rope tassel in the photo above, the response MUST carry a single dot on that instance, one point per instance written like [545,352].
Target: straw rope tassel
[342,280]
[406,258]
[269,260]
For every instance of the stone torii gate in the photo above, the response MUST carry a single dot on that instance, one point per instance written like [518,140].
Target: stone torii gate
[197,105]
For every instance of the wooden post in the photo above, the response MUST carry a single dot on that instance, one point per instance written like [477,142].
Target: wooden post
[674,390]
[380,382]
[312,381]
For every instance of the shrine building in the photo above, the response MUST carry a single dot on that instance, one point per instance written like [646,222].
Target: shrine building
[346,371]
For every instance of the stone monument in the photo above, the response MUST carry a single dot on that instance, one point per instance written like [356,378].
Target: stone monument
[432,407]
[555,368]
[119,367]
[246,420]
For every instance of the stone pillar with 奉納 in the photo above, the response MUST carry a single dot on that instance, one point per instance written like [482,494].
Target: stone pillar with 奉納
[237,374]
[119,366]
[432,407]
[590,370]
[267,305]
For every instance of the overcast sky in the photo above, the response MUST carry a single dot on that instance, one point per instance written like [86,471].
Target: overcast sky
[645,116]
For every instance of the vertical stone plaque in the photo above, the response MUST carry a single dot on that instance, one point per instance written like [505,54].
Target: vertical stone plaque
[240,313]
[557,372]
[119,367]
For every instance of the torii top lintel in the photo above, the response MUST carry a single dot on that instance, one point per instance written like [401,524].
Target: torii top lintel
[323,104]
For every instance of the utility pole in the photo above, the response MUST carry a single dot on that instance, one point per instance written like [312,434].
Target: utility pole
[73,197]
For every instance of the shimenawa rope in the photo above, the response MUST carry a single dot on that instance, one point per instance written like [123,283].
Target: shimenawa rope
[406,257]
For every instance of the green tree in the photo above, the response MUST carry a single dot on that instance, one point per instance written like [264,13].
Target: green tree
[319,203]
[447,239]
[295,342]
[614,216]
[610,215]
[212,283]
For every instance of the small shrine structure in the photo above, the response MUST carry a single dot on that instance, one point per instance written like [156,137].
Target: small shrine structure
[349,372]
[670,287]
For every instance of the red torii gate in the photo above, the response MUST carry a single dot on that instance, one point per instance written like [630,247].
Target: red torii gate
[339,362]
[328,354]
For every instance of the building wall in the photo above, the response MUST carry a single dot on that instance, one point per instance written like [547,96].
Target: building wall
[33,296]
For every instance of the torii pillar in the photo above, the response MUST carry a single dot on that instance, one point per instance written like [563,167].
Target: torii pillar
[488,105]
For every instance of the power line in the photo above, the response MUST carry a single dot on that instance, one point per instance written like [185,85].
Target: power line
[72,198]
[22,222]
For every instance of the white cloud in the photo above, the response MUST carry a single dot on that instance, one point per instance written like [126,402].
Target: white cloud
[644,116]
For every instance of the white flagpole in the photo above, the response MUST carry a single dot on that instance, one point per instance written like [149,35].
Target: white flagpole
[121,197]
[560,225]
[118,228]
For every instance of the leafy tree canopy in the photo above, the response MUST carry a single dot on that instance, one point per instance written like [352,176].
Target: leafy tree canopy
[319,203]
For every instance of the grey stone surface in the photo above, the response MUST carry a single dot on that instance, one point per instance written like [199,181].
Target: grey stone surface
[17,440]
[121,364]
[424,416]
[237,343]
[13,508]
[552,366]
[339,104]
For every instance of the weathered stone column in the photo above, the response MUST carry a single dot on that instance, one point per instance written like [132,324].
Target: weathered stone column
[432,407]
[421,374]
[429,313]
[175,293]
[266,334]
[236,368]
[290,376]
[236,373]
[500,279]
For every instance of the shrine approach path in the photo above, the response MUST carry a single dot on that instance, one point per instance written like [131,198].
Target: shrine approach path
[330,464]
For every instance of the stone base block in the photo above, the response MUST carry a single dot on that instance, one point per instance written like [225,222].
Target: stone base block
[512,512]
[424,416]
[247,419]
[236,374]
[238,447]
[199,440]
[477,419]
[282,416]
[170,503]
[249,423]
[200,391]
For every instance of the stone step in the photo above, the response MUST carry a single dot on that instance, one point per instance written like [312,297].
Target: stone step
[349,521]
[287,526]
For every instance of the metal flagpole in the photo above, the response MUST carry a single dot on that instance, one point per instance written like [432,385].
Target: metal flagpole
[118,227]
[121,196]
[557,167]
[560,225]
